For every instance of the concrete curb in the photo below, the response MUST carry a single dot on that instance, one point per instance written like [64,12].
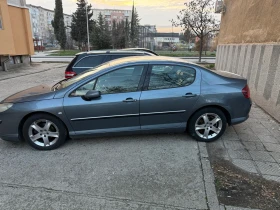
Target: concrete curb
[52,62]
[208,176]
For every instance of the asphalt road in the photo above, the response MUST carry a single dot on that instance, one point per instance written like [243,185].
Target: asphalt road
[69,58]
[153,172]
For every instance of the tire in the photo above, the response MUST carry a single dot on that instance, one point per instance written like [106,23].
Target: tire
[201,130]
[44,132]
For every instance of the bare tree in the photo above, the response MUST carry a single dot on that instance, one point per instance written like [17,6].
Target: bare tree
[199,18]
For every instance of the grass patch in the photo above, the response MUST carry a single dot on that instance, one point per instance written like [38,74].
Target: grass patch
[211,66]
[65,53]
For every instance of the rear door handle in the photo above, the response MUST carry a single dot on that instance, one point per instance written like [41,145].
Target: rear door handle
[130,100]
[189,95]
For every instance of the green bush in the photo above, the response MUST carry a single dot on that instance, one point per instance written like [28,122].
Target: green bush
[210,66]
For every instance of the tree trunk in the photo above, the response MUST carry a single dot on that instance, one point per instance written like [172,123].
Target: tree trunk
[206,46]
[201,48]
[79,45]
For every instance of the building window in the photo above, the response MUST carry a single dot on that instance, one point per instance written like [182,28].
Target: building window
[1,21]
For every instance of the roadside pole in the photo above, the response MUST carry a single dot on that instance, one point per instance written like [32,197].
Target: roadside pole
[88,48]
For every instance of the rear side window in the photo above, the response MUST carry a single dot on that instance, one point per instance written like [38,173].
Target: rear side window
[169,76]
[71,64]
[90,61]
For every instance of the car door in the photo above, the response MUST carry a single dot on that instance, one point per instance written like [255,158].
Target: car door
[88,62]
[169,95]
[117,110]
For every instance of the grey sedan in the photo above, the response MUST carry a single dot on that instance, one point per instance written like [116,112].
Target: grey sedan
[127,96]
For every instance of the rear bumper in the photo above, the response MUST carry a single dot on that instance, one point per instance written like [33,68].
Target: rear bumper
[239,120]
[246,108]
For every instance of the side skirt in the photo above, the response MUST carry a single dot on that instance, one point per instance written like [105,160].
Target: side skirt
[161,128]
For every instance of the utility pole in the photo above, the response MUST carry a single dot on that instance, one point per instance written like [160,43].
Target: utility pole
[172,34]
[172,38]
[88,48]
[172,21]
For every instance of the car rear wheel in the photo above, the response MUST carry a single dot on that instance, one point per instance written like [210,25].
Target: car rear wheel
[44,132]
[207,124]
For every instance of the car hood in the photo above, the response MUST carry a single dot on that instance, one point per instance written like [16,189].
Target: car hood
[42,92]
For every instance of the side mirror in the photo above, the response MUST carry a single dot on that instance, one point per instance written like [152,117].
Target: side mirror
[91,94]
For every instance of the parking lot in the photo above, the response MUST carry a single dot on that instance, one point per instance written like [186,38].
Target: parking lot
[128,172]
[164,171]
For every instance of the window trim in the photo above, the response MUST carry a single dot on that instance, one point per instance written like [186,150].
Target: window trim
[140,84]
[149,72]
[75,65]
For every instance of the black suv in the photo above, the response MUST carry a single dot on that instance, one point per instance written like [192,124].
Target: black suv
[87,60]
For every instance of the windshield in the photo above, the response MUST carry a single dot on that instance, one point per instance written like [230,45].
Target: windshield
[67,82]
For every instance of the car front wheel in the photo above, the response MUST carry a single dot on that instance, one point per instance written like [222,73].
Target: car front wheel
[207,124]
[44,132]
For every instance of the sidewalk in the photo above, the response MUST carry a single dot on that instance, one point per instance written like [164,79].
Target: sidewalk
[246,162]
[32,69]
[254,146]
[44,53]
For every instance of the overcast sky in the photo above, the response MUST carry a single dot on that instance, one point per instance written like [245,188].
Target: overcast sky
[153,12]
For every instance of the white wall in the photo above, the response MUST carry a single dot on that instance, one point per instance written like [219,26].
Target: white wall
[260,64]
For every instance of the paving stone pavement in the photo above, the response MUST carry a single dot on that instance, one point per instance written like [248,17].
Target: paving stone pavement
[222,207]
[254,145]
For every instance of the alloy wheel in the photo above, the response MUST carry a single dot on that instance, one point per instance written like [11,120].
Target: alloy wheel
[208,125]
[43,133]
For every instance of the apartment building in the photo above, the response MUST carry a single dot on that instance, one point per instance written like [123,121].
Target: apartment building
[41,20]
[163,40]
[112,14]
[16,43]
[146,36]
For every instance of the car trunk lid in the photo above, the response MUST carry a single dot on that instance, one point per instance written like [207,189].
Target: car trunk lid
[229,75]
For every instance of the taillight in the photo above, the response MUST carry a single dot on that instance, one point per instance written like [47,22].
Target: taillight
[70,74]
[246,91]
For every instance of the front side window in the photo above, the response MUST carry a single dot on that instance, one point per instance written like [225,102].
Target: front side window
[119,81]
[90,61]
[170,76]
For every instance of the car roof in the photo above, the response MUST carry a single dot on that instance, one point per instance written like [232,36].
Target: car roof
[95,52]
[148,59]
[140,49]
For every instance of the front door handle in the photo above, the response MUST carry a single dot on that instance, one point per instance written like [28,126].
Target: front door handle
[130,100]
[189,95]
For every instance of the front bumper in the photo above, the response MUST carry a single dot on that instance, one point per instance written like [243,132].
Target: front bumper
[10,137]
[9,126]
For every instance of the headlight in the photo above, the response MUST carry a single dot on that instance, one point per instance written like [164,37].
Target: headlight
[4,107]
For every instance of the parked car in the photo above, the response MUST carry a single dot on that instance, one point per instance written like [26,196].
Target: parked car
[141,49]
[87,60]
[126,96]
